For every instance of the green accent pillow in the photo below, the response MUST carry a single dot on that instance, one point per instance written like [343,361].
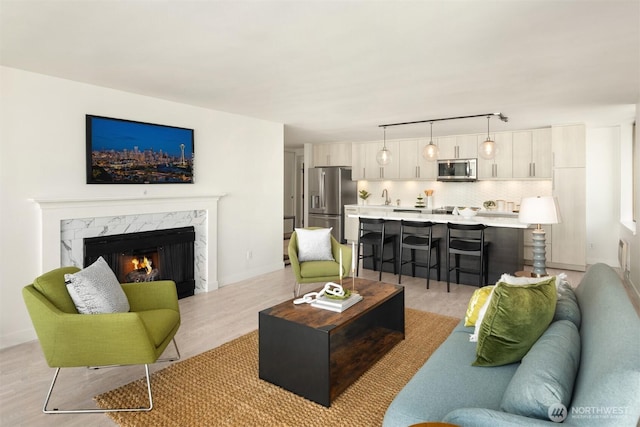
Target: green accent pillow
[516,317]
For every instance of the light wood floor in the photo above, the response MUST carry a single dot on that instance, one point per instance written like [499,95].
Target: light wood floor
[208,320]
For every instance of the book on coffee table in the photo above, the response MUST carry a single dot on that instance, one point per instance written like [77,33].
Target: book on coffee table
[333,304]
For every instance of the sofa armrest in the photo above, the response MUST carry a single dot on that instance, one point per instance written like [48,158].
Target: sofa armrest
[480,417]
[144,296]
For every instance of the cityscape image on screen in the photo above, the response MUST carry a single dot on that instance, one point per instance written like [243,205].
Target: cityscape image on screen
[129,152]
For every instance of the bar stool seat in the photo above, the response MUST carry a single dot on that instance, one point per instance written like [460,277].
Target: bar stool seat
[418,236]
[373,233]
[467,240]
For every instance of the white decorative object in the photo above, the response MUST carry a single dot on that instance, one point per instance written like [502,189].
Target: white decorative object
[329,288]
[539,210]
[314,245]
[467,213]
[96,290]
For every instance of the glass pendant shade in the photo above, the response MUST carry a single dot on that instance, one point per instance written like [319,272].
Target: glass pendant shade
[383,157]
[430,152]
[488,149]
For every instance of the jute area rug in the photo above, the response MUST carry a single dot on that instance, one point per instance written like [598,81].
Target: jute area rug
[220,387]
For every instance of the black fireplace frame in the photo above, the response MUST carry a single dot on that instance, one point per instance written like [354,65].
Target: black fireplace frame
[175,246]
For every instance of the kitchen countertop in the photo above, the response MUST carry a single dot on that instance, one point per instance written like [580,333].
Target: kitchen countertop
[499,219]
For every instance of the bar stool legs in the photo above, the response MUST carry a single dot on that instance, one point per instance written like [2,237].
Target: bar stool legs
[372,232]
[417,235]
[468,240]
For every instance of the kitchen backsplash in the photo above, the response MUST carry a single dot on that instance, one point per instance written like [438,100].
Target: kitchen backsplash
[454,193]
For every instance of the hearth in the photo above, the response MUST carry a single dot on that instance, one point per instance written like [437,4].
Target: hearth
[148,256]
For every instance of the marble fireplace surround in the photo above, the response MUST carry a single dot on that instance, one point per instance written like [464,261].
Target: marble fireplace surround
[66,222]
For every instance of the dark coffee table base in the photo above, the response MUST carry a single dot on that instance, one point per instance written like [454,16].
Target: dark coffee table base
[317,360]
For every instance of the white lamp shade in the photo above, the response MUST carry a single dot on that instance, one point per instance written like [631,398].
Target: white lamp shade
[539,210]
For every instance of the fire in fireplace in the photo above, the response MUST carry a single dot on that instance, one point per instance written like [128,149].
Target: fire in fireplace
[148,256]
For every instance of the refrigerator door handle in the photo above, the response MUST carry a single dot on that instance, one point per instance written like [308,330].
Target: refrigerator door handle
[323,201]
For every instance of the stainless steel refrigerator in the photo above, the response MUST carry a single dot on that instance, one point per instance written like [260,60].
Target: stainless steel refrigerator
[330,188]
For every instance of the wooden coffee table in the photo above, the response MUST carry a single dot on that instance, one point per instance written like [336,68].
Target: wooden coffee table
[318,353]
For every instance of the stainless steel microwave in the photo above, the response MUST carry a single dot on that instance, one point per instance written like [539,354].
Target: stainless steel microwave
[458,170]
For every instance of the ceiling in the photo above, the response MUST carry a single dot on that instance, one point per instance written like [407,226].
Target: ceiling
[334,70]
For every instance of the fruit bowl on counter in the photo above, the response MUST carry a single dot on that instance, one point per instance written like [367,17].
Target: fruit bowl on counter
[467,213]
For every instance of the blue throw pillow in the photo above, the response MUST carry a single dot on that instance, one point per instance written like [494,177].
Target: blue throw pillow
[567,307]
[547,373]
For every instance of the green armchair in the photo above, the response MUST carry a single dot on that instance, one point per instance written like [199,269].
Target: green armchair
[318,271]
[69,339]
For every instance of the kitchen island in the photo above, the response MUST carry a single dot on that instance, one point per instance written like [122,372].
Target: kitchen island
[505,233]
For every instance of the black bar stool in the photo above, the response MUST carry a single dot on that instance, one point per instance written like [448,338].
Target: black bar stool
[372,232]
[418,236]
[468,240]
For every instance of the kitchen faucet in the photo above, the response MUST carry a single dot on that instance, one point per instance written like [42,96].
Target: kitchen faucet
[387,199]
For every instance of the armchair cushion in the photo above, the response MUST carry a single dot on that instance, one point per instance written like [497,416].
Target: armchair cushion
[315,269]
[314,244]
[96,290]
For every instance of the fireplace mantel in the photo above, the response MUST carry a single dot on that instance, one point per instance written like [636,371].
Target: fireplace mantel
[57,203]
[56,210]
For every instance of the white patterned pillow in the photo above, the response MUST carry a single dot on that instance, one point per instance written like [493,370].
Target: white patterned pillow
[96,289]
[314,245]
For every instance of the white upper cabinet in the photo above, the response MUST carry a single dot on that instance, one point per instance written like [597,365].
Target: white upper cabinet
[374,171]
[569,148]
[532,156]
[542,154]
[358,154]
[524,154]
[332,154]
[467,146]
[447,147]
[458,147]
[500,167]
[365,166]
[412,165]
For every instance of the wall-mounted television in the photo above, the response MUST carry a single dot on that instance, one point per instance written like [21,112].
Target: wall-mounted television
[129,152]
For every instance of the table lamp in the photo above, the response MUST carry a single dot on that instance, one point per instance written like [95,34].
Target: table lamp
[539,210]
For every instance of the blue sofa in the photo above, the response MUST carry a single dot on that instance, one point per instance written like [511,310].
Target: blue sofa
[604,392]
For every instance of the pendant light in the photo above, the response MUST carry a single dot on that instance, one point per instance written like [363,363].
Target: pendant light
[384,156]
[430,151]
[488,148]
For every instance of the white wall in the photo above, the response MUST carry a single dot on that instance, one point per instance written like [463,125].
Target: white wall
[625,233]
[42,154]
